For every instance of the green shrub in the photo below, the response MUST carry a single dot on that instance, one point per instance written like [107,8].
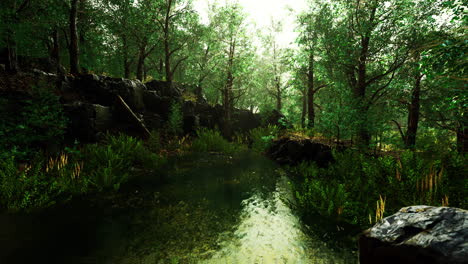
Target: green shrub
[212,140]
[28,125]
[262,137]
[349,188]
[29,187]
[111,164]
[176,119]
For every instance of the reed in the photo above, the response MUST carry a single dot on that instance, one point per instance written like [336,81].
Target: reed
[379,213]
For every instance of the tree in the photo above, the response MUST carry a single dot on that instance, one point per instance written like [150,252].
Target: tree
[276,69]
[229,25]
[74,49]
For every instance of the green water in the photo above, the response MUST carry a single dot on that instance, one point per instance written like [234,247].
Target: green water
[207,209]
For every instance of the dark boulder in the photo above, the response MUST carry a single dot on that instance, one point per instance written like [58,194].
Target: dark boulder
[245,120]
[289,151]
[276,118]
[103,90]
[87,121]
[417,235]
[164,89]
[157,104]
[81,121]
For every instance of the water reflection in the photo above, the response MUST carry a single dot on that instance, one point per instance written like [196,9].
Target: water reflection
[210,209]
[269,232]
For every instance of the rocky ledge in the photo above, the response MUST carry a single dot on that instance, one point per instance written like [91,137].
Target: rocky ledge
[418,234]
[292,151]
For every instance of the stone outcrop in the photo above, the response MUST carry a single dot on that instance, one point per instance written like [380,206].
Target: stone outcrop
[91,105]
[416,235]
[291,151]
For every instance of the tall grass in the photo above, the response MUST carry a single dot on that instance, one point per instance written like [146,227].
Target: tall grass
[208,140]
[358,186]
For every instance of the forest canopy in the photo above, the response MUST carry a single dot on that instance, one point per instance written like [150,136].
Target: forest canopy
[379,73]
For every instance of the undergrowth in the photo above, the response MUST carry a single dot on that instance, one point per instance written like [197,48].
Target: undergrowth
[361,189]
[208,140]
[45,180]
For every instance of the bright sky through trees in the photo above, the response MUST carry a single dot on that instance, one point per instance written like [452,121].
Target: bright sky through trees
[262,11]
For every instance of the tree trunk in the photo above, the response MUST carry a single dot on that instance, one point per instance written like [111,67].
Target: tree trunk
[462,139]
[363,135]
[227,108]
[413,114]
[55,53]
[74,50]
[304,109]
[227,92]
[167,48]
[126,62]
[12,59]
[310,91]
[279,103]
[141,63]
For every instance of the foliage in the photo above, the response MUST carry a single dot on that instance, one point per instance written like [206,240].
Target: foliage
[176,119]
[45,181]
[211,140]
[35,186]
[262,137]
[111,164]
[31,124]
[349,189]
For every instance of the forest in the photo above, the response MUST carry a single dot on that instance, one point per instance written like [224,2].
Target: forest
[108,105]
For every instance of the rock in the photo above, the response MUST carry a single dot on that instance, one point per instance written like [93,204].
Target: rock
[153,121]
[418,234]
[275,118]
[103,118]
[103,90]
[164,89]
[288,151]
[245,120]
[81,121]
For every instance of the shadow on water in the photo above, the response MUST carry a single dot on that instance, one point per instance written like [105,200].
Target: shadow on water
[210,208]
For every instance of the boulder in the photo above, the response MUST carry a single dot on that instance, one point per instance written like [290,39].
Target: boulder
[416,235]
[103,118]
[164,89]
[81,121]
[290,151]
[245,120]
[103,90]
[276,118]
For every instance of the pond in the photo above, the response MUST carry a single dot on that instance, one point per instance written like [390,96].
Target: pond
[208,208]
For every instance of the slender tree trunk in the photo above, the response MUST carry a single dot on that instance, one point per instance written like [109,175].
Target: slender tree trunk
[304,109]
[310,91]
[55,53]
[363,135]
[227,92]
[74,50]
[126,61]
[462,138]
[12,58]
[161,66]
[413,114]
[141,62]
[279,103]
[167,48]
